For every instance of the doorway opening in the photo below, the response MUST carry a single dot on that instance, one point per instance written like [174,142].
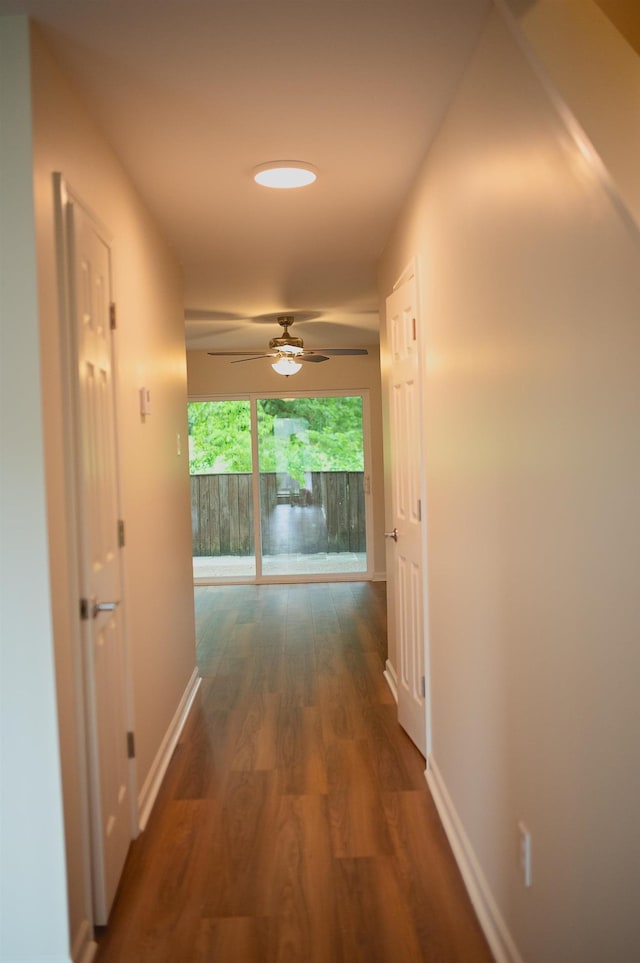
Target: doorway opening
[279,487]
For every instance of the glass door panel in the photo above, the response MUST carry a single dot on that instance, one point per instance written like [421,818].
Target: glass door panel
[220,466]
[311,472]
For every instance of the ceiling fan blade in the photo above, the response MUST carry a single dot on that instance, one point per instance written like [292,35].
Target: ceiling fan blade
[255,357]
[312,358]
[343,351]
[239,354]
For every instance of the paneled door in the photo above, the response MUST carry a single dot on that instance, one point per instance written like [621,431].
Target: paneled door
[406,541]
[100,581]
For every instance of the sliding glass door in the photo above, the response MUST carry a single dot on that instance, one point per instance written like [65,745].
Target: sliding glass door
[278,487]
[220,465]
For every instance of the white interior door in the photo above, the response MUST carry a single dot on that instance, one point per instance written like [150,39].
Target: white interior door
[88,257]
[406,546]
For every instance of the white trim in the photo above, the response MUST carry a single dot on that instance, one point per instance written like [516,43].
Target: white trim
[409,272]
[379,577]
[156,774]
[40,959]
[493,925]
[310,579]
[392,679]
[84,946]
[365,396]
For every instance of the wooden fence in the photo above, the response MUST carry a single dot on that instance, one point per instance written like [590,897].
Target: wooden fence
[341,494]
[221,515]
[222,511]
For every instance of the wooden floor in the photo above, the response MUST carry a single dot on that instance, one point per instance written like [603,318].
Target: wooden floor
[294,824]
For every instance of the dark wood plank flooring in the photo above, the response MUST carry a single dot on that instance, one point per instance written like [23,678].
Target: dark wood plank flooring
[294,824]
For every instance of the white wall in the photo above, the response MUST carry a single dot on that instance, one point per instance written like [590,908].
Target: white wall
[531,304]
[597,75]
[32,859]
[155,489]
[209,375]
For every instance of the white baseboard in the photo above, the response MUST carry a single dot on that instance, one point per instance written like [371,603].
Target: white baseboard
[84,948]
[493,925]
[392,679]
[152,783]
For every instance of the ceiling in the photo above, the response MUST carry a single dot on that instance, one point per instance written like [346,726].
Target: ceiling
[194,94]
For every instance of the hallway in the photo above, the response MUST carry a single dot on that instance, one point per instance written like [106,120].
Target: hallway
[294,823]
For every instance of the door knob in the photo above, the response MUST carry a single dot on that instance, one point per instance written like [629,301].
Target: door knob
[104,607]
[393,534]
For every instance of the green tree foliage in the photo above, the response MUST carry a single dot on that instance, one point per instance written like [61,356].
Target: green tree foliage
[295,436]
[219,437]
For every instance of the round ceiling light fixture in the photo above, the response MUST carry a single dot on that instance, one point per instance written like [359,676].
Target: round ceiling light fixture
[286,365]
[285,174]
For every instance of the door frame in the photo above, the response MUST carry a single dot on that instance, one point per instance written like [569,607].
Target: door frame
[253,397]
[71,453]
[411,271]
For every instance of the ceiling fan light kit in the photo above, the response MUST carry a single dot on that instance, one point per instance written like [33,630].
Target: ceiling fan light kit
[285,175]
[286,366]
[289,351]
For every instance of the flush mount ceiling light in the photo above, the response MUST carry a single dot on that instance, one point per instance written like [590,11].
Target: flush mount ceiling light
[284,175]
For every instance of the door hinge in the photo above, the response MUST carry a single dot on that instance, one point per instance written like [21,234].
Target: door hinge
[112,316]
[415,333]
[423,687]
[131,746]
[419,509]
[120,533]
[85,609]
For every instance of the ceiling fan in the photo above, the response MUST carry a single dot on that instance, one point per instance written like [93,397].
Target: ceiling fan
[289,351]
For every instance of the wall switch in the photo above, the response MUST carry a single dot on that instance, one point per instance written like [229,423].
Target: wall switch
[525,854]
[145,402]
